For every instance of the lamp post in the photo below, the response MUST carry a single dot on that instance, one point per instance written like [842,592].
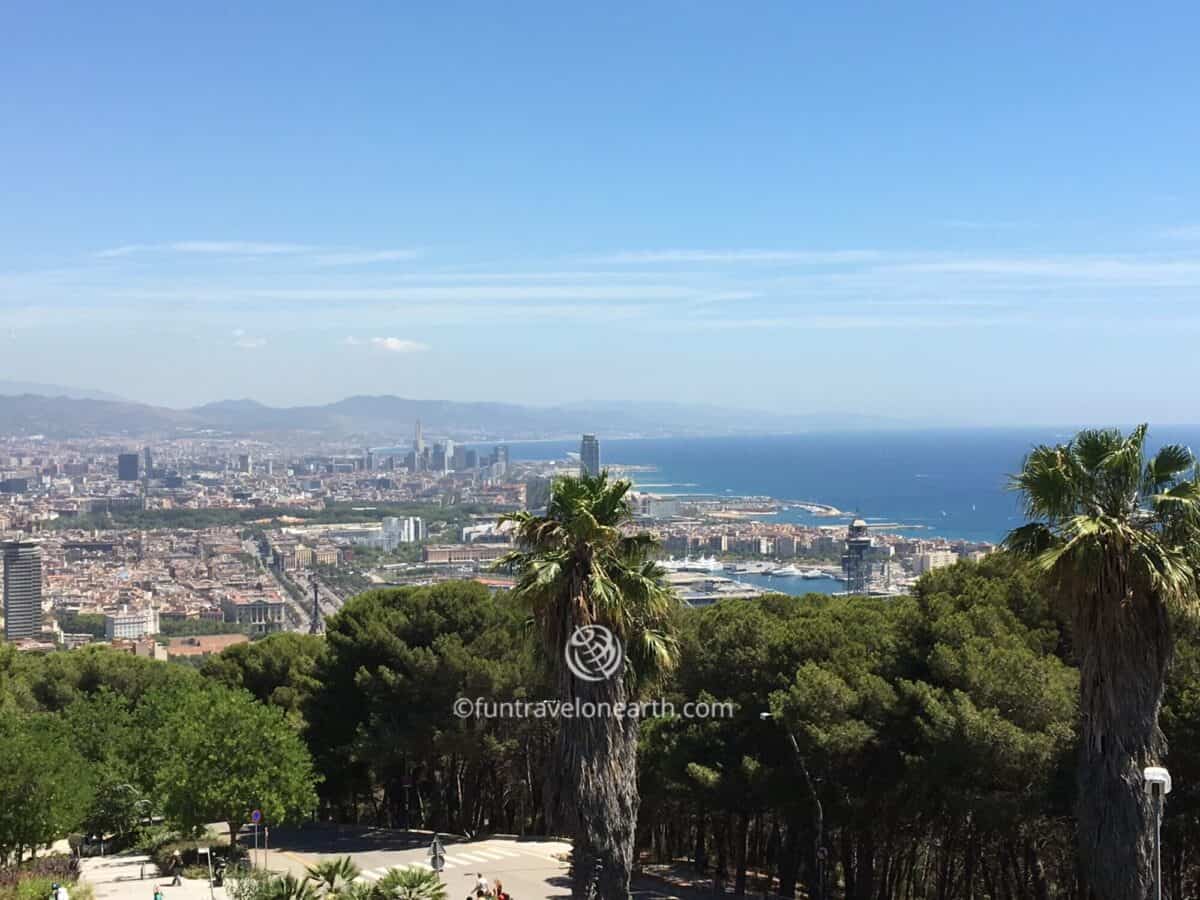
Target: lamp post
[818,810]
[1158,785]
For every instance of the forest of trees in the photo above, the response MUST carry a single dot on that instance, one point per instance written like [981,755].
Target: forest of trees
[937,731]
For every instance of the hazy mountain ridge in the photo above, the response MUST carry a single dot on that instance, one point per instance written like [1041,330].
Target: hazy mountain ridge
[389,417]
[16,388]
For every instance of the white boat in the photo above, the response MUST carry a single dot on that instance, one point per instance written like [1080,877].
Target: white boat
[785,572]
[813,573]
[703,564]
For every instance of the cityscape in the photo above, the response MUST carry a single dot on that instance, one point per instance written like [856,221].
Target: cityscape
[261,539]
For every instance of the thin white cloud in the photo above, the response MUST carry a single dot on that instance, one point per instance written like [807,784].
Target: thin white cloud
[482,293]
[211,248]
[243,341]
[398,345]
[1180,232]
[1131,271]
[237,248]
[123,250]
[984,225]
[324,256]
[793,257]
[364,257]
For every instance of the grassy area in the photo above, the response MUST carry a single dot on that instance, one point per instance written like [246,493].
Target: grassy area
[193,627]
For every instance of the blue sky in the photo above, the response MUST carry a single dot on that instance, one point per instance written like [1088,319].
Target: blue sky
[918,210]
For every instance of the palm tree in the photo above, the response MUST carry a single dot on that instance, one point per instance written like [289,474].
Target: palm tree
[334,874]
[288,887]
[576,568]
[1116,537]
[409,884]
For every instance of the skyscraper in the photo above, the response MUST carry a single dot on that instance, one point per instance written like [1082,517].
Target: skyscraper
[148,458]
[865,564]
[589,455]
[418,449]
[22,589]
[127,467]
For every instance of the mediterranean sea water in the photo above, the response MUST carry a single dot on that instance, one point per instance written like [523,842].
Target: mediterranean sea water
[937,483]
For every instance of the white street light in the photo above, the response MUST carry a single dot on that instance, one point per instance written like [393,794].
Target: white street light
[1158,785]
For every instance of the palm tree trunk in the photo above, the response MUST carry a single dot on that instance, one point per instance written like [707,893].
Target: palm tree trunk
[594,794]
[1125,647]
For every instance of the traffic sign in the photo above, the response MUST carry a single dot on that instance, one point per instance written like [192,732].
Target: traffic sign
[438,862]
[256,816]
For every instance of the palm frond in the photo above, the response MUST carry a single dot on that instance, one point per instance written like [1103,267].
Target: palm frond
[576,565]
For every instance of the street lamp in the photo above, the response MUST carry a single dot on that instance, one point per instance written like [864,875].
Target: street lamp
[1158,785]
[818,810]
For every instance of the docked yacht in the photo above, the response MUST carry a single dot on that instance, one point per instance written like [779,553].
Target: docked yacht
[786,572]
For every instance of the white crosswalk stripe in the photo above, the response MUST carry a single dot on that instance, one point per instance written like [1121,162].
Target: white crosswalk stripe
[454,861]
[509,854]
[472,857]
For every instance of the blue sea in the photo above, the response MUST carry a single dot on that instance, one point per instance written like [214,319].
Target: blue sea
[943,483]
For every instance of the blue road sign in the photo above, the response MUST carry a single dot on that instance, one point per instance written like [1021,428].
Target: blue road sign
[256,816]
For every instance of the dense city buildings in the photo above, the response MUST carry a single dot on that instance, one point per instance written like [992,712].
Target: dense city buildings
[223,533]
[22,589]
[589,455]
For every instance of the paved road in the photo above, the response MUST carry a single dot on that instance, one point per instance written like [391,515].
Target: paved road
[132,876]
[531,869]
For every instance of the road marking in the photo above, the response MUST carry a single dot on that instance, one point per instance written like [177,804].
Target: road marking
[527,850]
[470,857]
[454,860]
[489,854]
[508,853]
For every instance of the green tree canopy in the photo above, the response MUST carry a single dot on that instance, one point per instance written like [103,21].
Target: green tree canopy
[224,754]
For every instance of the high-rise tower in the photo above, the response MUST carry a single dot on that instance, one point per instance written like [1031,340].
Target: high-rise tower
[127,467]
[589,455]
[22,589]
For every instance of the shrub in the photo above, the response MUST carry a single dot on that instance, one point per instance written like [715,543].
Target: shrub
[409,884]
[163,853]
[149,838]
[33,879]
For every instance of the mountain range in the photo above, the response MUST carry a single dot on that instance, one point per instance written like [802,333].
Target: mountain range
[72,414]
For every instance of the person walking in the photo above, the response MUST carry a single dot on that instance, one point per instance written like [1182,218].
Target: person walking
[482,887]
[176,869]
[158,894]
[59,892]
